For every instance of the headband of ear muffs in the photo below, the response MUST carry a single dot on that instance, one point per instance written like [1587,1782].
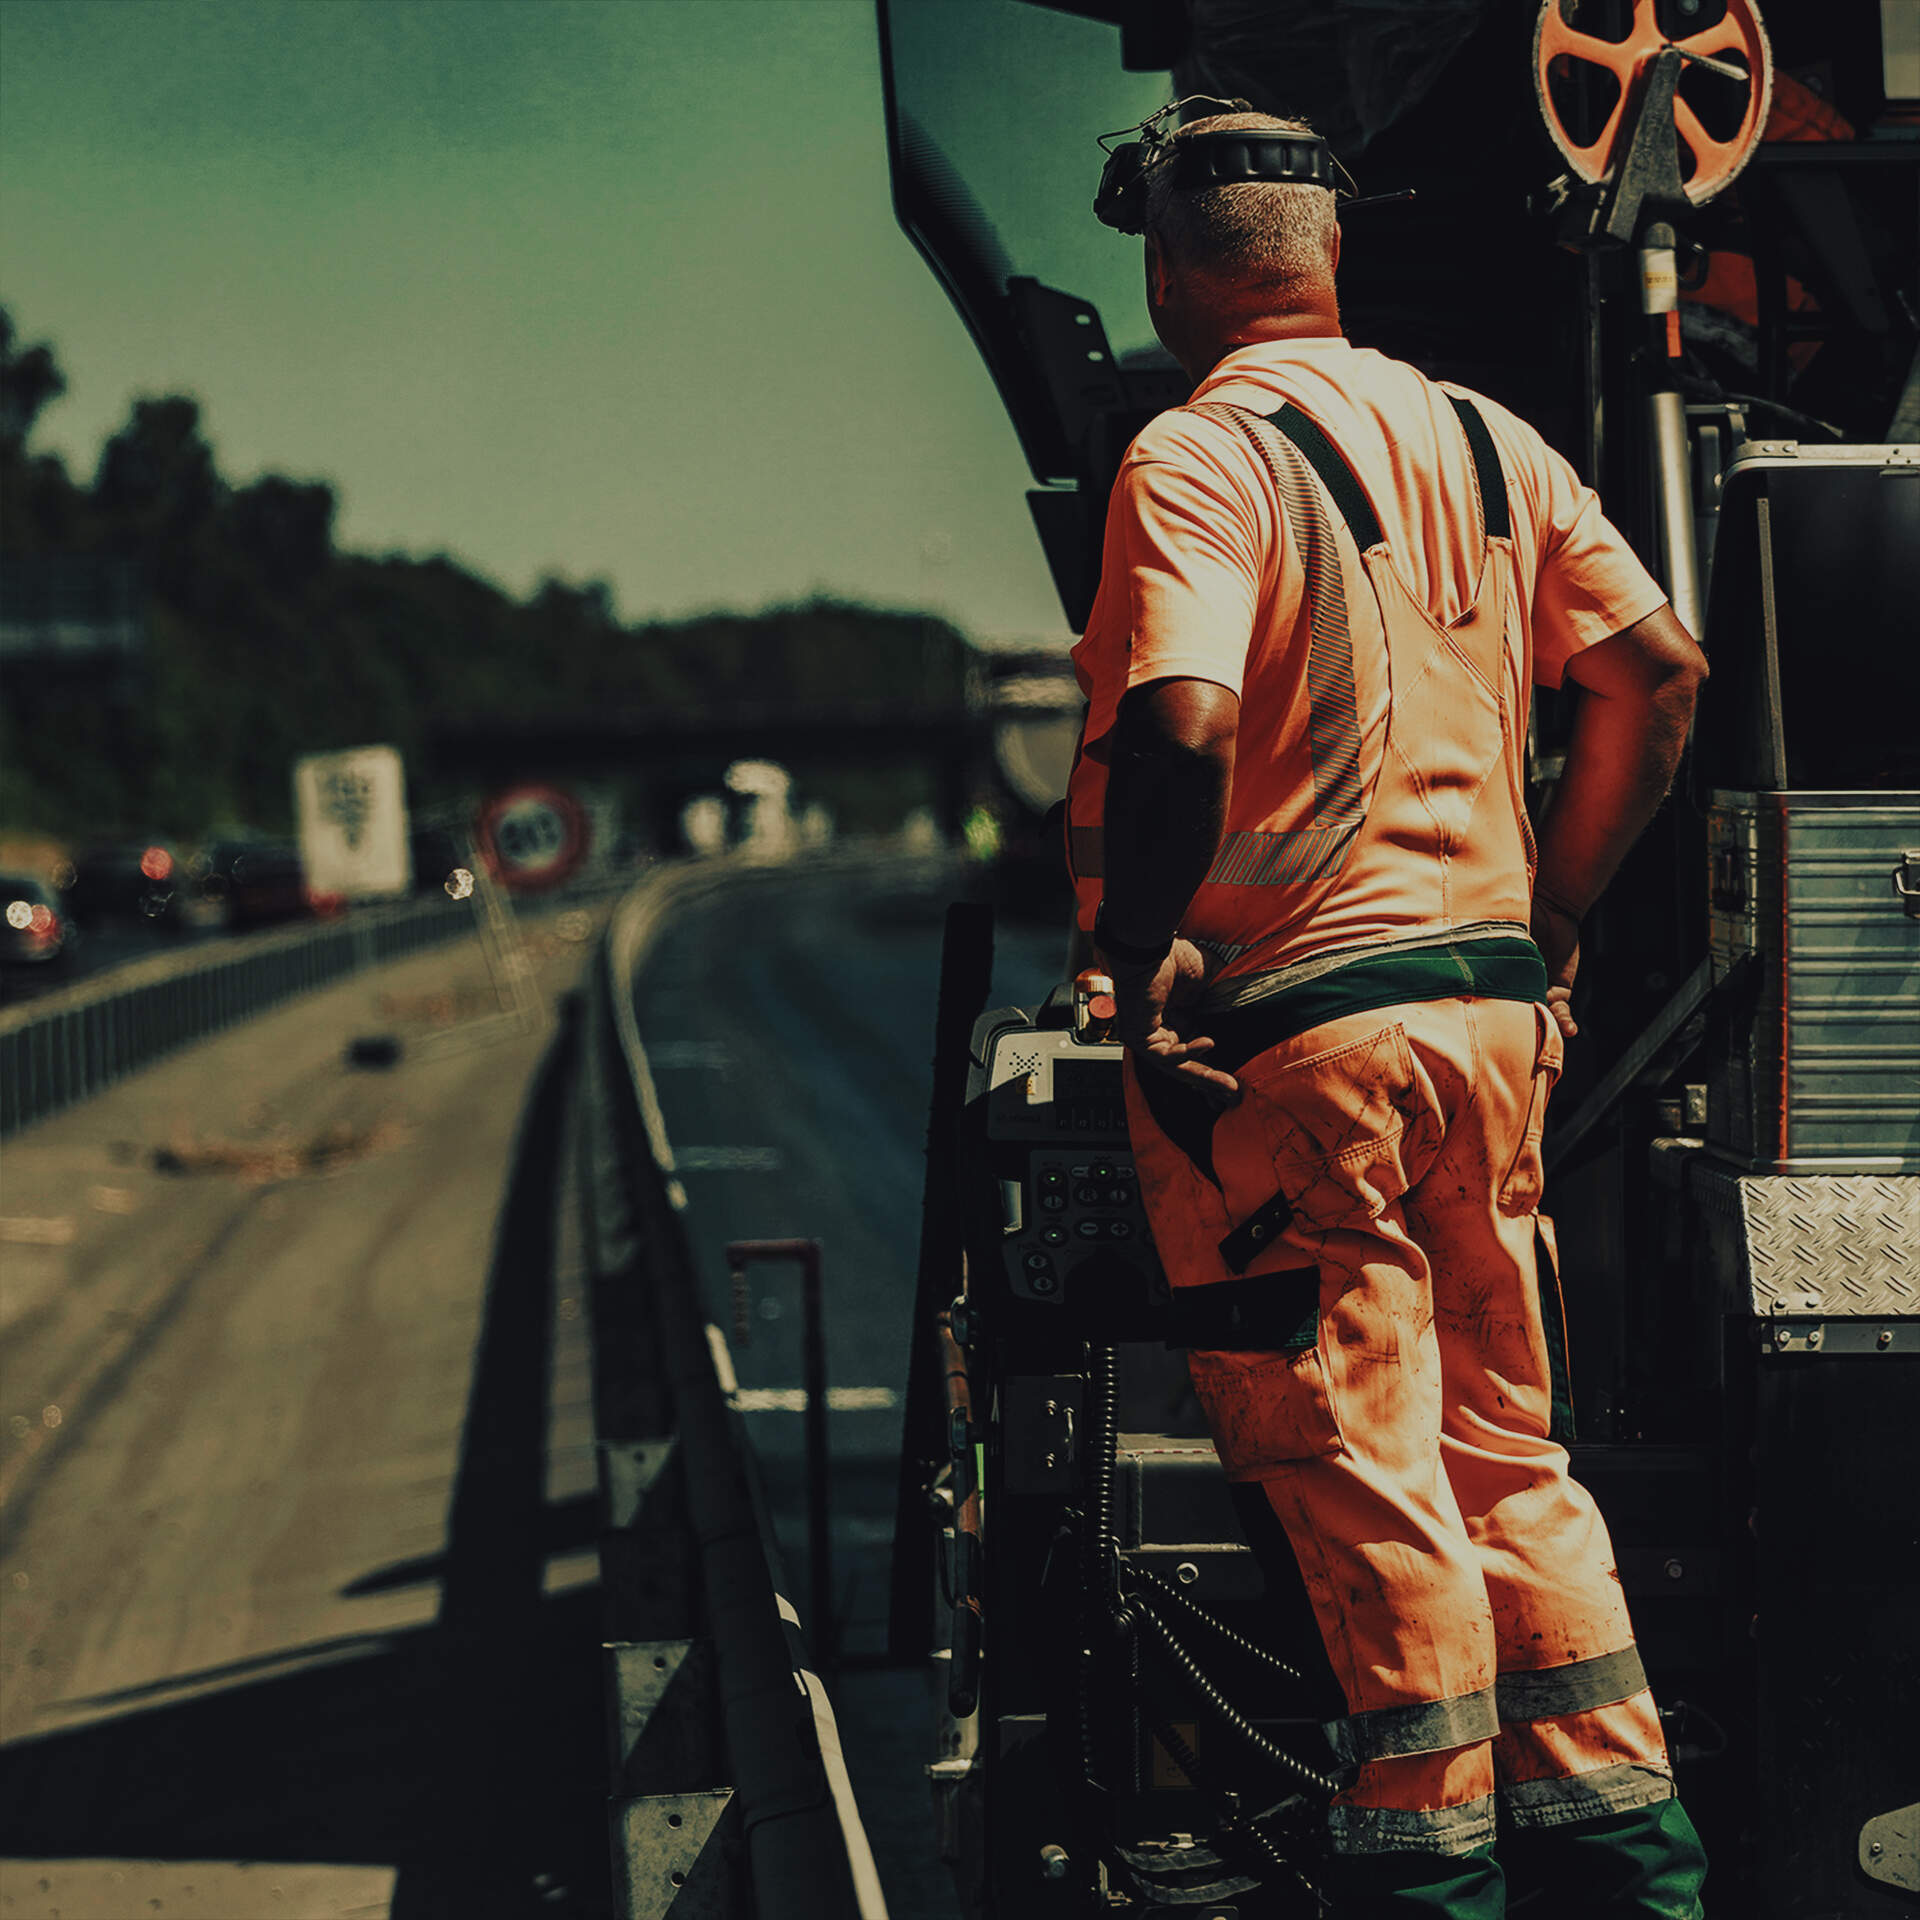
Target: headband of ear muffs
[1207,160]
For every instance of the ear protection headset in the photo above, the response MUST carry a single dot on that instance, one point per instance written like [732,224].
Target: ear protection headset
[1215,159]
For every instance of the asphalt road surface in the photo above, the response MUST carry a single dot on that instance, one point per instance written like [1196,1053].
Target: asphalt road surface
[296,1477]
[789,1026]
[297,1602]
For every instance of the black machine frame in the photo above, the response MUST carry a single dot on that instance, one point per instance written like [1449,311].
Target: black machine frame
[1753,1481]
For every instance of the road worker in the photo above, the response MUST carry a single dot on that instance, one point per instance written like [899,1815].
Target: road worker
[1299,840]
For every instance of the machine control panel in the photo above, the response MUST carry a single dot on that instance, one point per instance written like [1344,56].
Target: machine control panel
[1056,1124]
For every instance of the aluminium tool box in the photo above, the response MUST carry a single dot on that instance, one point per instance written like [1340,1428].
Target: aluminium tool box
[1807,765]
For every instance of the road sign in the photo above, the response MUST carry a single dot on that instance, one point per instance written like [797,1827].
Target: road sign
[352,814]
[533,837]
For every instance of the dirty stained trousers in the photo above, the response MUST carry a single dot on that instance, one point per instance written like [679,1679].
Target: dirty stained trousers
[1382,569]
[1462,1580]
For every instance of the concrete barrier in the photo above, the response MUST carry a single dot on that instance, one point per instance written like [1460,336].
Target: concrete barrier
[760,1820]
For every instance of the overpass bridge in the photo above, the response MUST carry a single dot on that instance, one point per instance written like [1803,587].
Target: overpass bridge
[950,753]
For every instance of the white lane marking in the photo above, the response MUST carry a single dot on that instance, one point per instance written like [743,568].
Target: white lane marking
[722,1360]
[729,1159]
[868,1896]
[794,1399]
[21,1231]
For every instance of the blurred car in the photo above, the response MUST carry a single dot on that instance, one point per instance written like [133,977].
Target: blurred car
[129,880]
[255,883]
[33,929]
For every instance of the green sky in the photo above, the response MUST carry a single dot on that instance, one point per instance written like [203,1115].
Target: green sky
[606,288]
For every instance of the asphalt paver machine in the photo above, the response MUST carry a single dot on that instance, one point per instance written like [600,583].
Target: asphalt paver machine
[1686,244]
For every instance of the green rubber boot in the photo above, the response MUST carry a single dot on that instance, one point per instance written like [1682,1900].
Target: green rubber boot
[1645,1864]
[1419,1886]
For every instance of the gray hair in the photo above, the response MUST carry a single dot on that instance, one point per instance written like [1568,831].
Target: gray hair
[1262,235]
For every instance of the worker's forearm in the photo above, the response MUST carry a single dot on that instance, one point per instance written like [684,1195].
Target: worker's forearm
[1165,812]
[1619,766]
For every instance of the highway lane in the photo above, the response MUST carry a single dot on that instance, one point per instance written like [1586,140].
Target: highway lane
[789,1025]
[296,1516]
[296,1605]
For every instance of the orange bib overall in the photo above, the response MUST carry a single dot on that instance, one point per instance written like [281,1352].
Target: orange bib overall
[1408,1438]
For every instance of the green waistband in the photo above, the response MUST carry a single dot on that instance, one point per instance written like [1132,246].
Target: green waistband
[1491,967]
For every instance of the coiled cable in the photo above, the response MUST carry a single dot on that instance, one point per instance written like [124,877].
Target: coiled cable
[1164,1590]
[1099,1548]
[1102,1537]
[1226,1712]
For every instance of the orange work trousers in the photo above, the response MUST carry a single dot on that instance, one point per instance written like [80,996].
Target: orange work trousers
[1463,1582]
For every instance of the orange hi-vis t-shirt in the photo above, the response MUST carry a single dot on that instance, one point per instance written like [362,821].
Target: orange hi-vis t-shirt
[1378,777]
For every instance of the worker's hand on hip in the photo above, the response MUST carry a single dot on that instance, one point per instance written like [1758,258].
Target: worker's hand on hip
[1149,1000]
[1556,932]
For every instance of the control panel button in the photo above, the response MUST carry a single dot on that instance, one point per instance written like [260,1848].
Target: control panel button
[1119,1229]
[1054,1236]
[1038,1263]
[1086,1194]
[1087,1229]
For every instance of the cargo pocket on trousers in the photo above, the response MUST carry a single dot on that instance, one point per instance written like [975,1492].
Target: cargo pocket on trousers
[1265,1409]
[1520,1191]
[1327,1131]
[1333,1125]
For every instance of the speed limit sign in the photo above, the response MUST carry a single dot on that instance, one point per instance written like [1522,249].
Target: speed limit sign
[533,837]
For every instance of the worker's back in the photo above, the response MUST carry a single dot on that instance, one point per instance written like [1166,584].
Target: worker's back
[1392,603]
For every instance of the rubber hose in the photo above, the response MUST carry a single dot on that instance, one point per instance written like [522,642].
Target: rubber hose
[1195,1612]
[1228,1714]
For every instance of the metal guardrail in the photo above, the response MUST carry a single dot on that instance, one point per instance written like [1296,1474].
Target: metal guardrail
[729,1795]
[73,1044]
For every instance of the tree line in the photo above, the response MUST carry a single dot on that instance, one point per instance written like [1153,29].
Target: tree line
[264,639]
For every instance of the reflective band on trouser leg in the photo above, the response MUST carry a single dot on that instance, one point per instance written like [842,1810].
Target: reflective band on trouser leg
[1586,1795]
[1558,1768]
[1542,1692]
[1421,1726]
[1436,1803]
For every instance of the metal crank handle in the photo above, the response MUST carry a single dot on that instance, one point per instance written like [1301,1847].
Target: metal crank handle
[1904,877]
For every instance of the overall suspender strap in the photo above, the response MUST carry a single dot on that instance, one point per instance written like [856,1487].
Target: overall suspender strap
[1335,475]
[1348,495]
[1495,518]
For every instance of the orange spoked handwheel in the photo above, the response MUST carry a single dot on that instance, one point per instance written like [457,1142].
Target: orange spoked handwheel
[1737,87]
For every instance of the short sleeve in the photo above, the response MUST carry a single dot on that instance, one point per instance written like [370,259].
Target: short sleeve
[1590,583]
[1191,541]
